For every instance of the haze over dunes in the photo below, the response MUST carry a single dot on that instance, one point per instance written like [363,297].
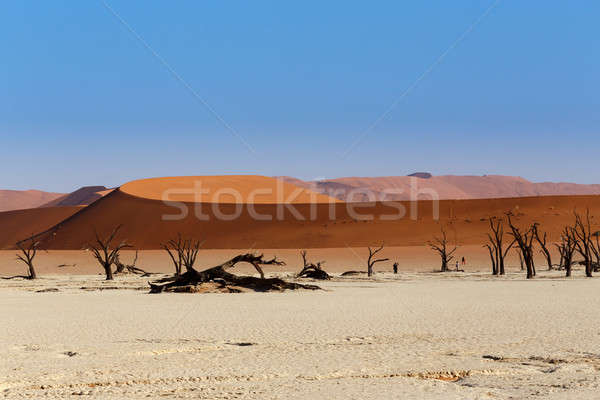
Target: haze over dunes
[22,199]
[446,187]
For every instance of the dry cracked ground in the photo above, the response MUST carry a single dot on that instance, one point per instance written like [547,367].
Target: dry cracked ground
[463,336]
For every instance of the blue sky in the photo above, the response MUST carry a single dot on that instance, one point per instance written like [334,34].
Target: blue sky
[84,102]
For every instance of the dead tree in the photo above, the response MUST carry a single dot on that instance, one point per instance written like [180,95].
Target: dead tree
[174,247]
[493,256]
[189,252]
[130,268]
[525,242]
[371,261]
[496,246]
[440,244]
[521,263]
[312,270]
[28,250]
[583,233]
[542,240]
[104,251]
[596,251]
[229,282]
[566,248]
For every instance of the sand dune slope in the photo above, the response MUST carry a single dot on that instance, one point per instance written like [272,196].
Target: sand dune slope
[19,224]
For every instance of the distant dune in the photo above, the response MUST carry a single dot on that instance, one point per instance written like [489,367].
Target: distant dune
[23,199]
[447,187]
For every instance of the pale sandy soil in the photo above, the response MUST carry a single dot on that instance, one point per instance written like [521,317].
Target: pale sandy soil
[411,335]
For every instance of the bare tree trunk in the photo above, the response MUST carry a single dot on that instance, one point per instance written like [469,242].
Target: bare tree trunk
[494,267]
[108,272]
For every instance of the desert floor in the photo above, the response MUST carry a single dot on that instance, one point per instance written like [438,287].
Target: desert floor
[411,335]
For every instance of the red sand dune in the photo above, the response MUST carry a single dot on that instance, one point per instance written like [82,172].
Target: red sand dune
[20,224]
[23,199]
[145,226]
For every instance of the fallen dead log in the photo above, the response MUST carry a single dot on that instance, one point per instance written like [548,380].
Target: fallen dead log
[227,280]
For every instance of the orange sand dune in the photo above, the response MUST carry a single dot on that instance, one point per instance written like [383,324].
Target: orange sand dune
[148,222]
[20,224]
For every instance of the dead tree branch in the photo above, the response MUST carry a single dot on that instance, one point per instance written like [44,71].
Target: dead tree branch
[28,250]
[582,231]
[371,261]
[174,247]
[496,247]
[566,248]
[312,270]
[131,268]
[104,251]
[440,244]
[542,240]
[229,282]
[525,242]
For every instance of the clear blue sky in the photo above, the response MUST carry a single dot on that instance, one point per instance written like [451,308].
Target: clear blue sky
[83,102]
